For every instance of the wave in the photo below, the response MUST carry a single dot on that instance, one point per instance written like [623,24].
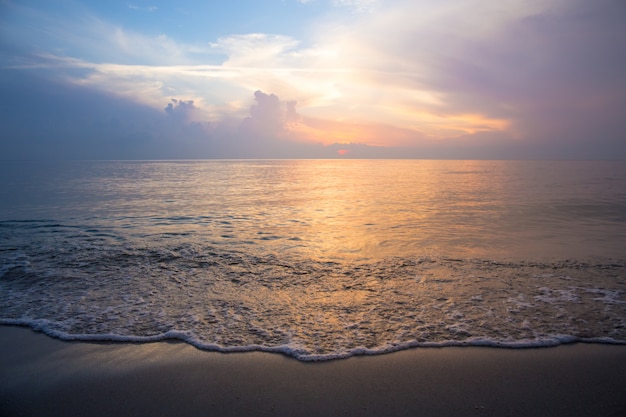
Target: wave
[301,353]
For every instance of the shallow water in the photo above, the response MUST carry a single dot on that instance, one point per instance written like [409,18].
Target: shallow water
[317,259]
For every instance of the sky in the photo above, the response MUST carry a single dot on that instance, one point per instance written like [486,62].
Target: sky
[192,79]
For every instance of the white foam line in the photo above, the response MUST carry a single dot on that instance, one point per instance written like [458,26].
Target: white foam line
[42,325]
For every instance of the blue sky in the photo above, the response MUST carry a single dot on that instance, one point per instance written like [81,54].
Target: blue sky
[313,78]
[53,26]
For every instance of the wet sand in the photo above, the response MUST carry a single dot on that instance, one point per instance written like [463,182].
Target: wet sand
[41,376]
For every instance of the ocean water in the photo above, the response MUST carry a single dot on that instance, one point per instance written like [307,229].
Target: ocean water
[317,259]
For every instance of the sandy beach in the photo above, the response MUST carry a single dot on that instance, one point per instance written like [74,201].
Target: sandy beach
[41,376]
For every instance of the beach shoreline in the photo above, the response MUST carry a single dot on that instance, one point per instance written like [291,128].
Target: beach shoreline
[41,376]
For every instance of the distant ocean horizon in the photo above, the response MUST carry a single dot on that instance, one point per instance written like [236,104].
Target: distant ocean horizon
[317,259]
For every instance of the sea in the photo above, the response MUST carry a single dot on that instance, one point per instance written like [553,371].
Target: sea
[316,259]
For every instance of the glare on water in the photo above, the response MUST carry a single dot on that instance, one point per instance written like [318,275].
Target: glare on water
[317,259]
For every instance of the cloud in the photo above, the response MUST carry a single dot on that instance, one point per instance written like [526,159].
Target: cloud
[77,32]
[532,71]
[272,119]
[267,115]
[545,76]
[182,110]
[270,116]
[256,50]
[43,120]
[146,84]
[59,121]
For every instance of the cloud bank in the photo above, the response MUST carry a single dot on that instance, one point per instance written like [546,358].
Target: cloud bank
[446,79]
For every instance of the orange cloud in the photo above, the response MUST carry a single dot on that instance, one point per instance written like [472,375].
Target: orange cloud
[329,132]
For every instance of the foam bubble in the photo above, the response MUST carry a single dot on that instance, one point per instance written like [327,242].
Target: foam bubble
[223,298]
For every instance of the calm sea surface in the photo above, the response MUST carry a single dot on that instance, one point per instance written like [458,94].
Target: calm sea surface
[318,259]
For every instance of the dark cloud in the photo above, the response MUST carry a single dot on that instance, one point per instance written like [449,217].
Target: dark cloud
[42,119]
[556,74]
[180,109]
[559,76]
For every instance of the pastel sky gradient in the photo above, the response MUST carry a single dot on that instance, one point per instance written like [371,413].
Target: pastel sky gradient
[150,79]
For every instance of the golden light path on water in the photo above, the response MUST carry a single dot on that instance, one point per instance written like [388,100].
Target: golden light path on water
[320,259]
[400,208]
